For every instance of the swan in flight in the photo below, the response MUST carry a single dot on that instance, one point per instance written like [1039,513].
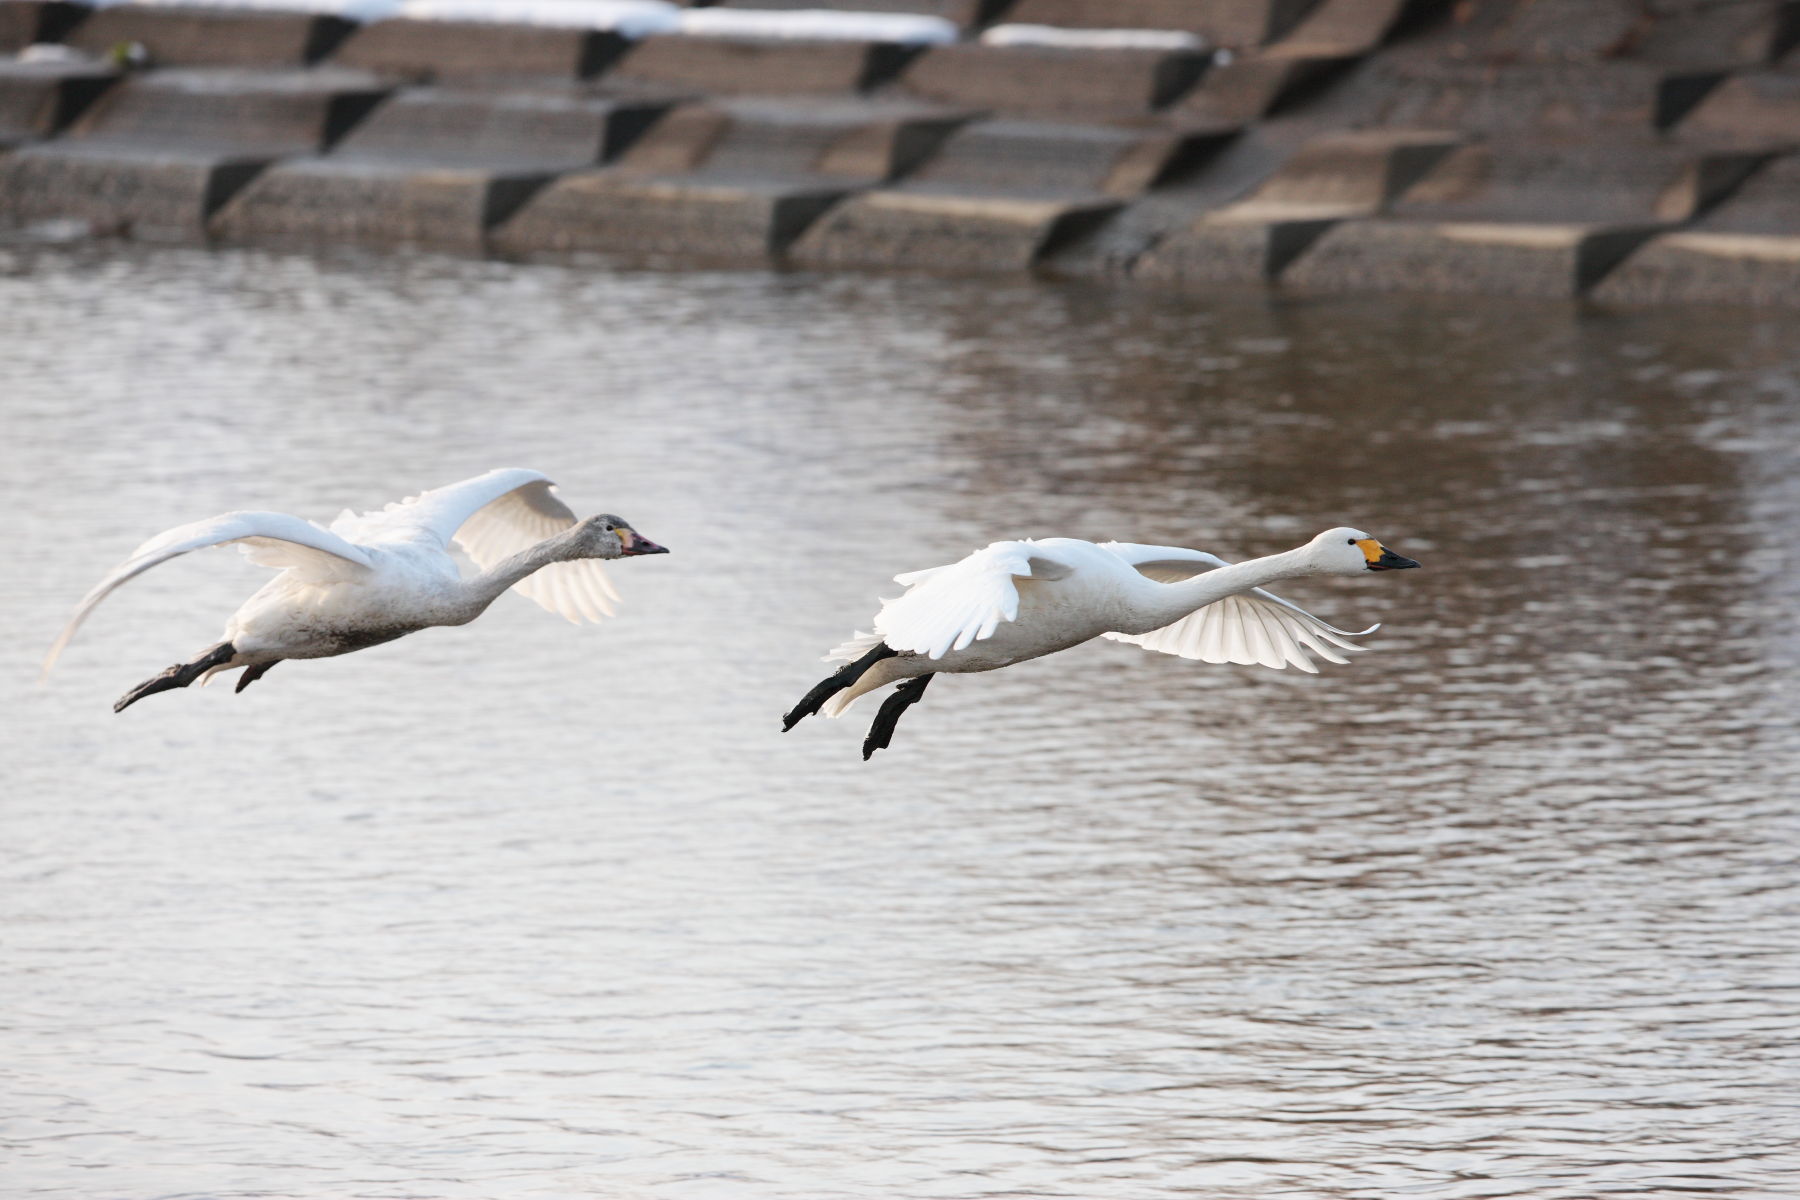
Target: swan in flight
[1020,600]
[375,577]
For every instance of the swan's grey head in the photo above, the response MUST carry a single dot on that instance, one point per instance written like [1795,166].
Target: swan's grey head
[607,536]
[1347,551]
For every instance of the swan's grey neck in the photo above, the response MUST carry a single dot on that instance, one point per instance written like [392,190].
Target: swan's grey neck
[487,587]
[1166,603]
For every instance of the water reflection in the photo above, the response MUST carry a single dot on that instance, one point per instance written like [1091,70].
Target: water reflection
[1505,908]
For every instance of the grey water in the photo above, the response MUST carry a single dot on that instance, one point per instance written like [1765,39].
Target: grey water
[1507,907]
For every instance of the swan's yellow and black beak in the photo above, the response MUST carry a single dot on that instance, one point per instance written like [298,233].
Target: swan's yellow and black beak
[1380,558]
[633,542]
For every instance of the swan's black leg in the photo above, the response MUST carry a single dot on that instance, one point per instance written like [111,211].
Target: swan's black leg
[881,729]
[845,675]
[177,676]
[252,674]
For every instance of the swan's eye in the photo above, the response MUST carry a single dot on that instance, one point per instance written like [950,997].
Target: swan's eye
[1350,541]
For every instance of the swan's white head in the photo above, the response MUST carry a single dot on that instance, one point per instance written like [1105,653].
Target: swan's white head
[1347,551]
[607,536]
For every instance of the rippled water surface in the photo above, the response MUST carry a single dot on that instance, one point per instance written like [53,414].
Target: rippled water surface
[1505,908]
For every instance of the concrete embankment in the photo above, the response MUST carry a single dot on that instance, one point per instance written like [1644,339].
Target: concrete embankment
[1628,149]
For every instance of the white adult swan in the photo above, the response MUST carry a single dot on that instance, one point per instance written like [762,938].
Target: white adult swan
[378,576]
[1015,601]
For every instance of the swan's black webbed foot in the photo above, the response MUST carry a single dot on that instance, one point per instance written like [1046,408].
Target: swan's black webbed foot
[845,675]
[252,674]
[881,729]
[177,676]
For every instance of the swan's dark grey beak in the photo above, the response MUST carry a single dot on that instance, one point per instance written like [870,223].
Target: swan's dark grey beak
[636,543]
[1389,561]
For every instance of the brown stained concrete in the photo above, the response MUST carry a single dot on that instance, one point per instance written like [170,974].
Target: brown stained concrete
[943,232]
[435,167]
[159,154]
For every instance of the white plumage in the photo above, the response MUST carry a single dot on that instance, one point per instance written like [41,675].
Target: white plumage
[373,577]
[1019,600]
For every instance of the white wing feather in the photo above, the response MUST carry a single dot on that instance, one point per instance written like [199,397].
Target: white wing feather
[947,608]
[1254,628]
[493,517]
[270,539]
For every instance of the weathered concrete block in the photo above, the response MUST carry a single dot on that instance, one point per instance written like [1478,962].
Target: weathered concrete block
[1747,250]
[1740,34]
[904,230]
[206,37]
[1491,258]
[1246,243]
[618,214]
[236,111]
[760,66]
[1340,28]
[38,99]
[433,167]
[160,153]
[464,50]
[328,201]
[535,130]
[1040,159]
[23,22]
[1695,266]
[1254,83]
[1223,22]
[1420,86]
[966,13]
[1615,182]
[158,195]
[1756,111]
[1053,81]
[1332,178]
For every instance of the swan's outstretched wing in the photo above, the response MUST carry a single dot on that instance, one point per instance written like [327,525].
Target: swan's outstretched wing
[494,517]
[1252,628]
[946,608]
[270,539]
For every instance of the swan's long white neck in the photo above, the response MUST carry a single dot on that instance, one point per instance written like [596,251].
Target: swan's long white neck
[1160,604]
[481,590]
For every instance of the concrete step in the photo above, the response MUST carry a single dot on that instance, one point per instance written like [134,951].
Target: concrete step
[969,14]
[1221,22]
[1679,33]
[211,37]
[160,153]
[1745,251]
[1476,257]
[900,229]
[1096,84]
[1755,110]
[40,99]
[761,66]
[1333,178]
[1041,159]
[1614,182]
[24,22]
[692,220]
[868,141]
[461,51]
[433,166]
